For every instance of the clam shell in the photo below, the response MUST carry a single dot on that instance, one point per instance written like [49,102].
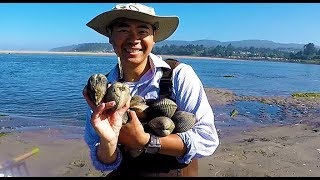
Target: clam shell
[183,121]
[118,92]
[141,111]
[96,87]
[163,107]
[162,126]
[136,99]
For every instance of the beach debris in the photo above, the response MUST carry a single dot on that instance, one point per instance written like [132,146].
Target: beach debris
[306,94]
[12,168]
[229,76]
[233,113]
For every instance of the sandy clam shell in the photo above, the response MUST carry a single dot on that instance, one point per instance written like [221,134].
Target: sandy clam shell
[162,125]
[118,92]
[96,87]
[163,107]
[183,121]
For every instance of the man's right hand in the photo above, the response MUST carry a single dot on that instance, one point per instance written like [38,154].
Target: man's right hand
[106,123]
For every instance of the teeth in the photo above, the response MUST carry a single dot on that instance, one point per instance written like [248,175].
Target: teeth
[133,50]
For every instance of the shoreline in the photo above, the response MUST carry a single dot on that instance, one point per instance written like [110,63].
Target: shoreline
[269,151]
[105,54]
[164,56]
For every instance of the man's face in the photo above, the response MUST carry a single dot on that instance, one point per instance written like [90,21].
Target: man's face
[132,40]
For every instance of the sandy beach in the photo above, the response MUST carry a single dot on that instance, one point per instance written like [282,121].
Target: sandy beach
[272,151]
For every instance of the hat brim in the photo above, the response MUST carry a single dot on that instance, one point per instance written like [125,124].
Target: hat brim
[167,24]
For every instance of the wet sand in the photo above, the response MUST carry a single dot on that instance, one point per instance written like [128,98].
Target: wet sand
[275,150]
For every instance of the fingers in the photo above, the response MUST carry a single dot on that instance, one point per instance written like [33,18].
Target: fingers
[134,118]
[87,98]
[125,107]
[108,105]
[98,110]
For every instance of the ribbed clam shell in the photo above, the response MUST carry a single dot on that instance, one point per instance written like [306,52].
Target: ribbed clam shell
[162,126]
[96,87]
[118,92]
[163,107]
[183,121]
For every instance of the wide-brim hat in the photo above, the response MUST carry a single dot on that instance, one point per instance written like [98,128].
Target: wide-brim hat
[166,25]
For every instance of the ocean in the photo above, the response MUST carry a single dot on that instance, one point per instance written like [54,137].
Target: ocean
[46,89]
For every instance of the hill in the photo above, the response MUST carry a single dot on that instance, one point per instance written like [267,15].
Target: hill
[106,47]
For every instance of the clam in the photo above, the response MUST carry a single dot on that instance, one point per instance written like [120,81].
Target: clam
[138,104]
[163,107]
[96,87]
[141,111]
[136,99]
[118,92]
[162,125]
[183,121]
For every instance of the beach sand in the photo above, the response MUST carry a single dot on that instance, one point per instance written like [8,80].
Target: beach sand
[278,150]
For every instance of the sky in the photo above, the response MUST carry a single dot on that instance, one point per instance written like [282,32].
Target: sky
[42,26]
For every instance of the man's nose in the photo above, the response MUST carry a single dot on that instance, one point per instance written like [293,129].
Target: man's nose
[134,37]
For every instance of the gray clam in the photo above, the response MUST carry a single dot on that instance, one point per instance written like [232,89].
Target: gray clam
[183,121]
[162,126]
[96,88]
[118,92]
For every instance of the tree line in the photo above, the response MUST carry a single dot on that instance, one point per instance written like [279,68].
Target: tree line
[309,53]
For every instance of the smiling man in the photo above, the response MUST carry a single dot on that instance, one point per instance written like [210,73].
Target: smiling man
[133,30]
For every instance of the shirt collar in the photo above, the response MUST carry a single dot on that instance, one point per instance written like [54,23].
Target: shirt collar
[156,62]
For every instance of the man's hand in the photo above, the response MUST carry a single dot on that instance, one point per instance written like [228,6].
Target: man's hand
[132,134]
[107,123]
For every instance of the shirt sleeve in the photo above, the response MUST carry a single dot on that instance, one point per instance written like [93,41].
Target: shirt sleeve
[188,91]
[92,139]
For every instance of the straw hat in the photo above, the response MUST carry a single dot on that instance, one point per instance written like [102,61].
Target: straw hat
[166,25]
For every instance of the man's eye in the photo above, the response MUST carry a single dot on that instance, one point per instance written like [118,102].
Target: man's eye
[122,30]
[143,32]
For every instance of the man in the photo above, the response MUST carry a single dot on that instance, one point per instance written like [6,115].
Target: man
[133,29]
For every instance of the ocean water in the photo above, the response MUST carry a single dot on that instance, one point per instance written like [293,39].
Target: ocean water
[48,87]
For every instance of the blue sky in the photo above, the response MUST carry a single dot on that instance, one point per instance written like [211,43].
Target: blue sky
[42,26]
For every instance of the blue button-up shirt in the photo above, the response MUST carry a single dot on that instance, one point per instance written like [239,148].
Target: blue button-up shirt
[188,92]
